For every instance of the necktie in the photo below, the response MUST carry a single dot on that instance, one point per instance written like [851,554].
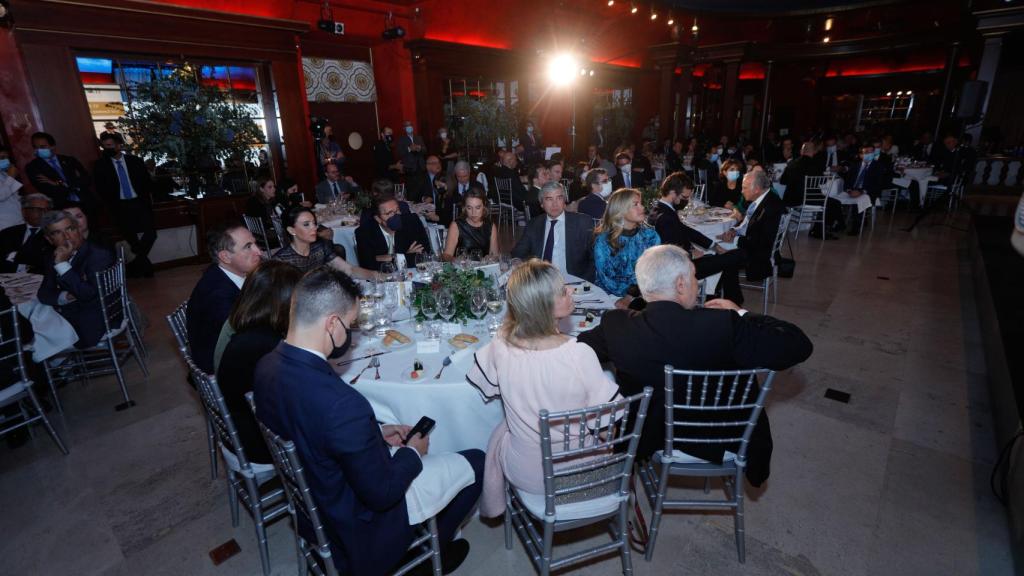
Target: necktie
[334,187]
[860,176]
[628,179]
[549,244]
[122,175]
[831,158]
[31,234]
[55,164]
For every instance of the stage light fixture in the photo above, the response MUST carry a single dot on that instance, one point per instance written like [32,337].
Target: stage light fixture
[888,93]
[828,24]
[562,69]
[910,93]
[611,2]
[694,28]
[900,93]
[827,40]
[633,8]
[670,20]
[654,15]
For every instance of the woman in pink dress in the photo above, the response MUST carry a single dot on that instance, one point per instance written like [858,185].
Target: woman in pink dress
[533,367]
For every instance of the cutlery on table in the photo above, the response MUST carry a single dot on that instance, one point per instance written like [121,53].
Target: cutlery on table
[350,361]
[444,364]
[365,368]
[376,367]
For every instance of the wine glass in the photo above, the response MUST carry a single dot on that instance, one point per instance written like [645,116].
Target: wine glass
[446,306]
[367,320]
[495,302]
[388,270]
[383,317]
[391,300]
[478,304]
[423,264]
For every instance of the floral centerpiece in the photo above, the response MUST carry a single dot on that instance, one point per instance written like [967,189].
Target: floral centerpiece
[459,283]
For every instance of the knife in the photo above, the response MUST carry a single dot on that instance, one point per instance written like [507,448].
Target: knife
[347,362]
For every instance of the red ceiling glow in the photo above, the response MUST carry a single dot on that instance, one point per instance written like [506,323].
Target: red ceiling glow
[465,39]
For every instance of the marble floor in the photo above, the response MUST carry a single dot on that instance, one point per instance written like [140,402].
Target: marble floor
[893,482]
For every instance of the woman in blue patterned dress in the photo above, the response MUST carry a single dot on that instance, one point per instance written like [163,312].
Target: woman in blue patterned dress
[622,236]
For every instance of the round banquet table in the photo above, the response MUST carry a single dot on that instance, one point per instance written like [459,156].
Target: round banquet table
[713,223]
[923,176]
[464,419]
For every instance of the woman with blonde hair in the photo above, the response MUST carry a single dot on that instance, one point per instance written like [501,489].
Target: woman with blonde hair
[622,236]
[533,367]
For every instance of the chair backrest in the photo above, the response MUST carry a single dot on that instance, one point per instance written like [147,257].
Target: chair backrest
[594,455]
[566,184]
[255,225]
[482,179]
[400,191]
[300,500]
[816,189]
[702,175]
[714,407]
[219,416]
[279,231]
[112,295]
[11,353]
[178,323]
[700,192]
[504,189]
[780,234]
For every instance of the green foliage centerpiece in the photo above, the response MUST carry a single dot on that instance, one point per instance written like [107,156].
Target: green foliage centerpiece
[460,284]
[176,117]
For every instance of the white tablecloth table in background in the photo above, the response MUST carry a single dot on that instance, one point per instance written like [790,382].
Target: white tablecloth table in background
[464,419]
[53,333]
[862,202]
[712,223]
[923,176]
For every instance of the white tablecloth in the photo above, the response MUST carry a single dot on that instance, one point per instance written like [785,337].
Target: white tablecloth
[463,419]
[923,176]
[53,333]
[862,202]
[711,224]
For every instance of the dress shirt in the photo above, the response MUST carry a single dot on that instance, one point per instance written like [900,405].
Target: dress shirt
[742,228]
[10,201]
[316,353]
[235,278]
[120,167]
[62,268]
[558,254]
[29,231]
[389,238]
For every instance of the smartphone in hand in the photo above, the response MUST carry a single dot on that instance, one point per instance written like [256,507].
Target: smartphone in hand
[423,428]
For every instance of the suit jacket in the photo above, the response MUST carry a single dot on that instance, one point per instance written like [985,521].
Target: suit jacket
[108,185]
[518,190]
[592,205]
[760,236]
[208,308]
[412,162]
[793,178]
[638,180]
[357,484]
[324,194]
[84,314]
[640,344]
[672,230]
[423,189]
[31,253]
[874,178]
[579,243]
[370,241]
[384,156]
[235,376]
[75,181]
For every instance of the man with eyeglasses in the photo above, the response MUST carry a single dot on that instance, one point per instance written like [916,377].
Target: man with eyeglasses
[23,246]
[392,236]
[69,284]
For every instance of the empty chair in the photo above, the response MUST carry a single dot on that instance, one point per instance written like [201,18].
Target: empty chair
[106,356]
[586,481]
[20,392]
[771,282]
[244,478]
[506,211]
[177,322]
[134,315]
[812,209]
[708,408]
[314,550]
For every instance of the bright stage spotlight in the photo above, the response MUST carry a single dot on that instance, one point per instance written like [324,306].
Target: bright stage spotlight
[562,69]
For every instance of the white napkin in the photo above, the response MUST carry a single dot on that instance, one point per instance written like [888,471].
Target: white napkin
[442,478]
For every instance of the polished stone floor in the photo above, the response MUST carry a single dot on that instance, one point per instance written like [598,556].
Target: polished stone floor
[893,482]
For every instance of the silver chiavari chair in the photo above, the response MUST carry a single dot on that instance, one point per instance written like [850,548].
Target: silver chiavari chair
[771,282]
[179,327]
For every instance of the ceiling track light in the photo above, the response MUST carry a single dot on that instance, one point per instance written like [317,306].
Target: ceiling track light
[611,2]
[694,28]
[654,15]
[633,8]
[670,20]
[828,24]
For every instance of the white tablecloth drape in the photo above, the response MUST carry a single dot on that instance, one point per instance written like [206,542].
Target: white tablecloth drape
[53,333]
[464,419]
[923,176]
[862,202]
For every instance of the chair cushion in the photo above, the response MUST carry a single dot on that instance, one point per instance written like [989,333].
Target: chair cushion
[680,457]
[594,507]
[262,472]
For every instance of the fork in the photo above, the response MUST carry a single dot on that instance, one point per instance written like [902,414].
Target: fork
[365,368]
[376,367]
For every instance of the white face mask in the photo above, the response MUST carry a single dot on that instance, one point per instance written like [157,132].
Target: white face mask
[444,135]
[529,129]
[625,168]
[732,175]
[408,130]
[606,189]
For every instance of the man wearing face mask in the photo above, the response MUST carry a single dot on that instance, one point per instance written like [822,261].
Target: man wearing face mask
[10,205]
[365,480]
[627,177]
[596,160]
[126,188]
[384,157]
[393,236]
[411,151]
[866,178]
[62,178]
[600,188]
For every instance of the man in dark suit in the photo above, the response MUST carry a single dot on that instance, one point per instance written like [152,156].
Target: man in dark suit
[509,170]
[62,178]
[599,188]
[235,254]
[675,190]
[385,165]
[23,247]
[411,151]
[626,176]
[69,283]
[428,186]
[455,186]
[358,484]
[538,175]
[533,151]
[391,233]
[794,178]
[334,186]
[755,235]
[563,238]
[673,330]
[126,188]
[923,148]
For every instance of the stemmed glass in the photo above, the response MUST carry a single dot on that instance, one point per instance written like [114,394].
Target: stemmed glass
[391,300]
[478,304]
[446,305]
[388,270]
[423,265]
[428,307]
[495,302]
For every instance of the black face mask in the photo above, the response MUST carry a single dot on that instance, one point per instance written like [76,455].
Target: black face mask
[388,138]
[109,152]
[340,351]
[682,202]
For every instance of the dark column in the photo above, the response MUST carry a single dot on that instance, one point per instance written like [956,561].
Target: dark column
[765,104]
[685,87]
[730,83]
[954,52]
[665,94]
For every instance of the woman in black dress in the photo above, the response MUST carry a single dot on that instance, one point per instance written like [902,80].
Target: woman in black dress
[306,251]
[473,231]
